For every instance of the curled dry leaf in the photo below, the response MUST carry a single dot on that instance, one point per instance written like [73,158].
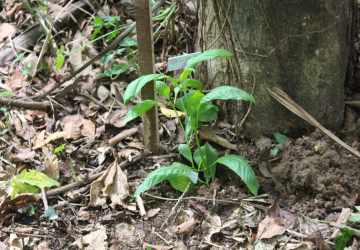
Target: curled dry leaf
[112,184]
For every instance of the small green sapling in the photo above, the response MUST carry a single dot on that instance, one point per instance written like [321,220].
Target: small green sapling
[184,94]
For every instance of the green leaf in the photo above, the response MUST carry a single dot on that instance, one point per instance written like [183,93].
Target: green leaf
[180,183]
[205,157]
[30,182]
[354,218]
[134,88]
[208,55]
[228,93]
[274,151]
[6,93]
[162,89]
[343,239]
[280,138]
[60,58]
[208,112]
[18,187]
[190,102]
[242,168]
[138,110]
[128,42]
[37,179]
[59,149]
[185,151]
[191,83]
[116,70]
[167,173]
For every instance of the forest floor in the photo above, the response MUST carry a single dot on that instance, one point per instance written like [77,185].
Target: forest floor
[309,186]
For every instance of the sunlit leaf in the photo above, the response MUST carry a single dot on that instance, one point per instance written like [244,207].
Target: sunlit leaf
[242,168]
[138,110]
[167,173]
[228,93]
[162,89]
[208,55]
[180,183]
[134,88]
[60,58]
[37,179]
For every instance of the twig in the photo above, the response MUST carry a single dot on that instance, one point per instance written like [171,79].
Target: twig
[295,108]
[141,206]
[175,207]
[122,135]
[25,104]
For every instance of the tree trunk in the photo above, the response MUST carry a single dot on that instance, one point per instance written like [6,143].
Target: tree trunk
[300,46]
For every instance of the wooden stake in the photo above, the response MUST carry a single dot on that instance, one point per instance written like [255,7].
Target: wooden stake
[146,62]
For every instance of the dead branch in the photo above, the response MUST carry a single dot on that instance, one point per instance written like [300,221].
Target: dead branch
[25,104]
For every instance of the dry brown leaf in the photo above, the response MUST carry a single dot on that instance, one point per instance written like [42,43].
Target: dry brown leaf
[72,126]
[152,213]
[76,126]
[44,245]
[6,30]
[88,128]
[41,140]
[112,184]
[126,236]
[186,227]
[93,241]
[51,163]
[269,228]
[22,128]
[275,223]
[16,80]
[23,154]
[15,243]
[116,118]
[170,113]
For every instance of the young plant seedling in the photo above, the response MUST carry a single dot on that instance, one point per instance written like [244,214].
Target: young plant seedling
[186,97]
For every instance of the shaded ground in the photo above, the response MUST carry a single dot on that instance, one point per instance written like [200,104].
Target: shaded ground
[305,186]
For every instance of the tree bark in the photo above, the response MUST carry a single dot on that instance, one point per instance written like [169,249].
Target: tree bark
[300,46]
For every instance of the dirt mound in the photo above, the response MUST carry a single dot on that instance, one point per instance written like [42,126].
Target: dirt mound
[316,176]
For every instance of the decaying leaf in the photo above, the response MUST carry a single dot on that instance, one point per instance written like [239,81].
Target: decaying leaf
[51,163]
[170,113]
[111,185]
[95,240]
[126,237]
[275,223]
[76,126]
[15,243]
